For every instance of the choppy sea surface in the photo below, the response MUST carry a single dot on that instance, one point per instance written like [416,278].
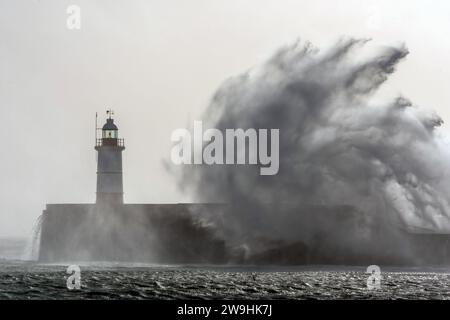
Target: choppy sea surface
[20,279]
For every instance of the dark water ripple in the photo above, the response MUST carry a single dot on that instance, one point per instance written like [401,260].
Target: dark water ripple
[29,281]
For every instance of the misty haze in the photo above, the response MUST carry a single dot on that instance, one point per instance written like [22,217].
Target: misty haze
[351,174]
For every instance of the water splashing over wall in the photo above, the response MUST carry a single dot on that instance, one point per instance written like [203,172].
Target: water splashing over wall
[338,146]
[31,252]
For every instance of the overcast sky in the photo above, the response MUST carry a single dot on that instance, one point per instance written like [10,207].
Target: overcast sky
[157,63]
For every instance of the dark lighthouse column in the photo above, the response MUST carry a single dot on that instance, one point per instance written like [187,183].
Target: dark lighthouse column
[109,164]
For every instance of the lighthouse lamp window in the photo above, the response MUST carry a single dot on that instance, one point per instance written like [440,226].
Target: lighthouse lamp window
[110,134]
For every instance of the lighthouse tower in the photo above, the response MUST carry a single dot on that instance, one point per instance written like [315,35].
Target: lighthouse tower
[109,164]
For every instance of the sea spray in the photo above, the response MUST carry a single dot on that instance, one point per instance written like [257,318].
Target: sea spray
[337,147]
[31,252]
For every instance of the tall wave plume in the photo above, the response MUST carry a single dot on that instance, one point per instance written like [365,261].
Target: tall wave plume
[388,162]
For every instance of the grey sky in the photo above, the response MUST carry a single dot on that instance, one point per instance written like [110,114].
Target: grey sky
[156,63]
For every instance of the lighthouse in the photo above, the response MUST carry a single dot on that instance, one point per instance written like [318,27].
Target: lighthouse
[111,230]
[109,163]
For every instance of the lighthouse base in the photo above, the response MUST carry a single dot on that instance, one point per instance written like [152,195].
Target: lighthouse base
[180,234]
[148,233]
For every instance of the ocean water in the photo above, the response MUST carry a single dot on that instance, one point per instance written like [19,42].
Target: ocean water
[21,279]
